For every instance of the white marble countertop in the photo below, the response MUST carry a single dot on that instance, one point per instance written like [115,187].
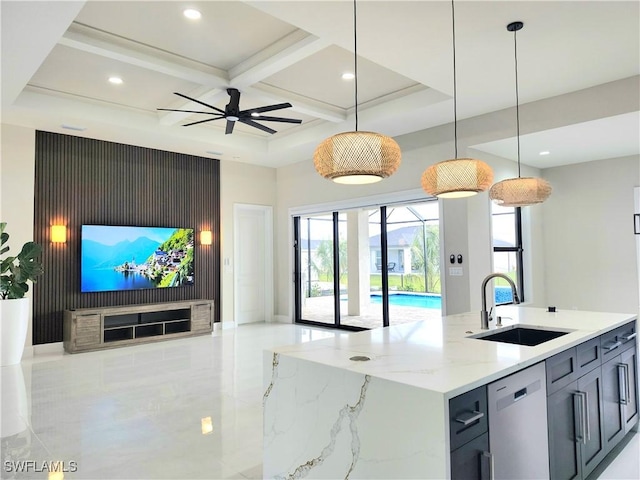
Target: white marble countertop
[439,356]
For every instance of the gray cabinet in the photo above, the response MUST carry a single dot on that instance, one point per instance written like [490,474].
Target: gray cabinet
[575,418]
[472,461]
[107,327]
[620,378]
[468,437]
[592,402]
[588,404]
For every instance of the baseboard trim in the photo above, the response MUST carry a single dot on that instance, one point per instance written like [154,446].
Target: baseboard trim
[47,349]
[281,319]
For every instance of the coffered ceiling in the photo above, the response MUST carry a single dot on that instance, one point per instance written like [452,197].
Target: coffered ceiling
[57,58]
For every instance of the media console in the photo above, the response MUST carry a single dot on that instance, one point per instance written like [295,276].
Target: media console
[88,329]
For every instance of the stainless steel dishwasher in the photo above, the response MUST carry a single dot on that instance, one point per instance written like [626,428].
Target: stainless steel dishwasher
[518,438]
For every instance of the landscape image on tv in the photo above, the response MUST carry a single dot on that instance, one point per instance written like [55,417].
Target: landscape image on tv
[133,258]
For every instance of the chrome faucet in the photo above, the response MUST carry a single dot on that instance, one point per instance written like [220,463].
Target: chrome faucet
[484,315]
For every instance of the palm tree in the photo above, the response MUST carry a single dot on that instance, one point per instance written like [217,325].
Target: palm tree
[322,261]
[425,255]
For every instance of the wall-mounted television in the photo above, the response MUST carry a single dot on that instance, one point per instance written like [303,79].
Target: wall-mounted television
[133,258]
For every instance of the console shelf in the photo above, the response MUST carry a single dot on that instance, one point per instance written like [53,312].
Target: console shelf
[88,329]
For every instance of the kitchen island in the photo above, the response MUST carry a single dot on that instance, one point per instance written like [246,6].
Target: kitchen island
[375,404]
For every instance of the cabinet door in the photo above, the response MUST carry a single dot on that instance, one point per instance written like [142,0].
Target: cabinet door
[201,317]
[611,386]
[472,460]
[593,444]
[629,359]
[564,449]
[86,331]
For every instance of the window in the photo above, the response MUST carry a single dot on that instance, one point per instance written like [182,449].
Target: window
[368,267]
[506,232]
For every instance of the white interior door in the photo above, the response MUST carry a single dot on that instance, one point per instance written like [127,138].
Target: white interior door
[253,259]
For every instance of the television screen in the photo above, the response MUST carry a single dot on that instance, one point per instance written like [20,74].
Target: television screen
[133,258]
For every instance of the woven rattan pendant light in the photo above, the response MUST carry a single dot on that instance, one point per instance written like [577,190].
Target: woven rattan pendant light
[521,191]
[357,157]
[458,177]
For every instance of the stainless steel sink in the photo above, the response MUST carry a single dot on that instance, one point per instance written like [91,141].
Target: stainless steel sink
[521,335]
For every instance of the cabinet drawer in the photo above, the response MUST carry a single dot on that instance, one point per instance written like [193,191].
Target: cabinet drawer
[468,416]
[562,369]
[617,340]
[627,334]
[589,356]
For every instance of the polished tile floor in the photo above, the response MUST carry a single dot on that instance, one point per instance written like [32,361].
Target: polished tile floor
[143,412]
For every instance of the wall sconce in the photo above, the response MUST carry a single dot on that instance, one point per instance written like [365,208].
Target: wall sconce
[58,234]
[206,237]
[206,425]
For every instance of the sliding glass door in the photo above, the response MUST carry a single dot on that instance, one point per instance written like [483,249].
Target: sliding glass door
[368,267]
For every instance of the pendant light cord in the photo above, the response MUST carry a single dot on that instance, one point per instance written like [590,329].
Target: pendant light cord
[455,96]
[355,58]
[515,50]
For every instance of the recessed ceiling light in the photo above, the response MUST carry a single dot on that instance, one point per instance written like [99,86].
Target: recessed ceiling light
[115,80]
[255,114]
[545,152]
[192,14]
[348,76]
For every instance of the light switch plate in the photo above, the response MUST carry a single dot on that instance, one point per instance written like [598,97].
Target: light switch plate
[455,271]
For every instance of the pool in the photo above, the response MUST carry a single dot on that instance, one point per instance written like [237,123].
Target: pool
[411,300]
[426,300]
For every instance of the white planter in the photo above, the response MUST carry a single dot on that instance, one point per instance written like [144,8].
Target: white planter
[14,402]
[14,323]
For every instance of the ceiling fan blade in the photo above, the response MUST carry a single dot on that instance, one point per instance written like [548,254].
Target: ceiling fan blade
[266,108]
[201,103]
[229,128]
[277,119]
[202,121]
[250,122]
[186,111]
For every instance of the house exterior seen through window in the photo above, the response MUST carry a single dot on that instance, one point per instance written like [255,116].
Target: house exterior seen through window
[506,233]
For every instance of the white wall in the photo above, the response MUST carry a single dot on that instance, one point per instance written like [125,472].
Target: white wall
[17,171]
[589,243]
[247,184]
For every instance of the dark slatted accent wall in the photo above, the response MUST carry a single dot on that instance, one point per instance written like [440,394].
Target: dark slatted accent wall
[82,181]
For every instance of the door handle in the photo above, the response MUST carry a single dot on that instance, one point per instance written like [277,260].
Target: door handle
[489,456]
[586,416]
[466,420]
[622,383]
[629,336]
[613,346]
[580,419]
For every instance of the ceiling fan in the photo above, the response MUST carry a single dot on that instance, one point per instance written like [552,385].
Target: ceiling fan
[233,114]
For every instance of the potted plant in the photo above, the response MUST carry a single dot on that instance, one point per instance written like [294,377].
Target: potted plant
[15,272]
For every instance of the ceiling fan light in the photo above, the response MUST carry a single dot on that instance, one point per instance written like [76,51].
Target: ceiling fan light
[520,192]
[357,157]
[457,178]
